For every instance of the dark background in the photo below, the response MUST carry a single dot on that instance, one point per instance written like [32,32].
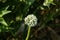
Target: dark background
[47,28]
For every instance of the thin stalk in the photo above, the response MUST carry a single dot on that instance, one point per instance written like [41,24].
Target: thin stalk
[28,33]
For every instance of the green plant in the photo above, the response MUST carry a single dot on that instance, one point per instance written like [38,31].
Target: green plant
[31,21]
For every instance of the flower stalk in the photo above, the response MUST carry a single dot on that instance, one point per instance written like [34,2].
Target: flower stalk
[28,33]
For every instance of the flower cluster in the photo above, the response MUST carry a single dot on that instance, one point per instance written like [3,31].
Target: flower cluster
[30,20]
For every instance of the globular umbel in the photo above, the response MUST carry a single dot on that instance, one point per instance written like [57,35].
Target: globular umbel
[31,21]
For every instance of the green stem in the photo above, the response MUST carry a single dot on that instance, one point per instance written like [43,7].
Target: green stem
[28,33]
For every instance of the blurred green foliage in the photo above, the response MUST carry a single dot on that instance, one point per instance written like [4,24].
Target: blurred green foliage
[13,12]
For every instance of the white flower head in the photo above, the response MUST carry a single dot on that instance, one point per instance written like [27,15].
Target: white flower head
[30,20]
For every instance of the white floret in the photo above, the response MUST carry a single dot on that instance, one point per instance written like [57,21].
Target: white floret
[30,20]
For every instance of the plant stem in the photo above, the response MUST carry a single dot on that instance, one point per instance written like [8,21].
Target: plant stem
[28,33]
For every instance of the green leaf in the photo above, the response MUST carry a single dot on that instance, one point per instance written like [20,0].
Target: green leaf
[4,28]
[3,21]
[48,2]
[5,11]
